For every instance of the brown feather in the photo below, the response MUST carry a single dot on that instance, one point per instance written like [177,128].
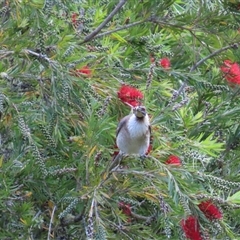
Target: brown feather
[122,123]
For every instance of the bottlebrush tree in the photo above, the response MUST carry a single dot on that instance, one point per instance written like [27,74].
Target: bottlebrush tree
[70,70]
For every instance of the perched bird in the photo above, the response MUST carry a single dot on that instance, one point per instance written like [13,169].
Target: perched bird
[133,134]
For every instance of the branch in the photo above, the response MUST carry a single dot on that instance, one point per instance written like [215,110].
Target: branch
[103,24]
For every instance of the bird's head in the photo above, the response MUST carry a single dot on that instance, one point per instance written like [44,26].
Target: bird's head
[140,111]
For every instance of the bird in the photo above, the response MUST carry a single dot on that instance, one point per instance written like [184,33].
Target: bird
[133,134]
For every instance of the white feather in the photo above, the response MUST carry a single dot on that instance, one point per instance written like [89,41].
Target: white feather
[138,128]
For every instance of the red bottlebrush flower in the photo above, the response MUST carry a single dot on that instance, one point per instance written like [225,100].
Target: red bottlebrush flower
[210,210]
[231,71]
[125,207]
[191,228]
[130,95]
[165,63]
[84,70]
[174,160]
[74,18]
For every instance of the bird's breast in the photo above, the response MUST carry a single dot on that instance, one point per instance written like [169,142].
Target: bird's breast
[138,128]
[134,136]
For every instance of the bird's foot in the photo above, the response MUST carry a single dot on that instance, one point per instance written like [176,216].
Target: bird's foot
[142,160]
[143,157]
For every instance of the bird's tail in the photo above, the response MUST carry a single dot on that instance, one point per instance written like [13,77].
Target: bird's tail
[116,161]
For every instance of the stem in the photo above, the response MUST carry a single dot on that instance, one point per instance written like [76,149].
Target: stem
[103,24]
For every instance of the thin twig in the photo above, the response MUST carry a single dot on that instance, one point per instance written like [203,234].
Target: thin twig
[92,206]
[5,54]
[50,224]
[120,28]
[14,106]
[74,219]
[199,40]
[116,161]
[150,75]
[123,171]
[144,218]
[155,20]
[38,55]
[195,66]
[234,45]
[103,24]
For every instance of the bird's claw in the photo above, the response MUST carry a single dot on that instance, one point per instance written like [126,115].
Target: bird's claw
[143,157]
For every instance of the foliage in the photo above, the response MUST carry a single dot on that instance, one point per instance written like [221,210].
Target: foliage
[59,80]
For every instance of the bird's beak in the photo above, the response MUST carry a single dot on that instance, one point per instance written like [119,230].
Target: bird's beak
[140,112]
[143,112]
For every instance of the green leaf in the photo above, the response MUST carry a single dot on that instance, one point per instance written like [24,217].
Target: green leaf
[118,37]
[235,198]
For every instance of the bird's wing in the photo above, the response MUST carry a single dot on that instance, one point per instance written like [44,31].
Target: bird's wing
[122,122]
[150,129]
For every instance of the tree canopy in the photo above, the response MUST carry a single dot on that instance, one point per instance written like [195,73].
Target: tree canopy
[67,70]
